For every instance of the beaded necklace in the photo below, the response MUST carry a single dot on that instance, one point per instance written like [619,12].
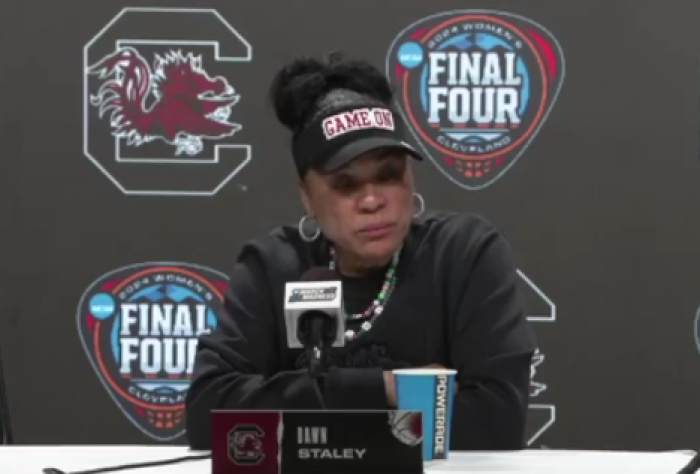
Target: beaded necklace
[377,306]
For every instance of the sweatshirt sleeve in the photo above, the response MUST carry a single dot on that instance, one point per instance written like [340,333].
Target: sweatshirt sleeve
[492,350]
[237,364]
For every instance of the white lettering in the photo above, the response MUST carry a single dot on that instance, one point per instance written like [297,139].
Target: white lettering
[178,348]
[173,356]
[160,340]
[150,397]
[128,349]
[440,416]
[161,319]
[476,88]
[127,318]
[359,119]
[151,356]
[312,435]
[336,453]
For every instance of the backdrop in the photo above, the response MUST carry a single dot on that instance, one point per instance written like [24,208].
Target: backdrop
[139,149]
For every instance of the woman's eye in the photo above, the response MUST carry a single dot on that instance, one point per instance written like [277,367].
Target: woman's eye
[390,174]
[344,185]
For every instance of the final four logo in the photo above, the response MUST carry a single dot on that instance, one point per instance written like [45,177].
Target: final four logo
[475,87]
[139,326]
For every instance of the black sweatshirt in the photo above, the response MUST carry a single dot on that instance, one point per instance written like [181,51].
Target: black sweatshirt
[455,304]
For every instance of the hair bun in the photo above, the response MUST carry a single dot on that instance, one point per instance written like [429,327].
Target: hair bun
[299,85]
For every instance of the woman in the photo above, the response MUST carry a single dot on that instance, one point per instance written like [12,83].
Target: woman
[421,288]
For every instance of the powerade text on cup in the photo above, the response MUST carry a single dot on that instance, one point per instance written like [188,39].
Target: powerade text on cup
[431,391]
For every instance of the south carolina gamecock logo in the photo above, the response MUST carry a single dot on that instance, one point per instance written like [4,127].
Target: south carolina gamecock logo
[406,426]
[474,87]
[245,446]
[176,102]
[139,326]
[161,115]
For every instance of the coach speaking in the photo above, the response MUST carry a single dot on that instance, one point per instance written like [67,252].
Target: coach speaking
[421,288]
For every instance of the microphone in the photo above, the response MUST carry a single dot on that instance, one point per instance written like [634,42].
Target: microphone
[314,315]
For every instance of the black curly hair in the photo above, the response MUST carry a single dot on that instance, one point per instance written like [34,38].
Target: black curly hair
[303,88]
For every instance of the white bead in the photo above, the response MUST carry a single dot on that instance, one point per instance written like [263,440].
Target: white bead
[378,310]
[349,334]
[366,325]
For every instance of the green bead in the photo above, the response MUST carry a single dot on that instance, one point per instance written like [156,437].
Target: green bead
[378,304]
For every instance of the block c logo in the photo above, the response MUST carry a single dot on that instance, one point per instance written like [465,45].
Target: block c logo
[157,101]
[245,447]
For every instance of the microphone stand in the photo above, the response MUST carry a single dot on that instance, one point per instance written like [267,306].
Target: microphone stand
[317,370]
[316,344]
[316,356]
[315,339]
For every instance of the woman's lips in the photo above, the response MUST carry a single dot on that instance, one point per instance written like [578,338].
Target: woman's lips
[376,231]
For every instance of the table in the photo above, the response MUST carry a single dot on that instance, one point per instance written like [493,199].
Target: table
[32,459]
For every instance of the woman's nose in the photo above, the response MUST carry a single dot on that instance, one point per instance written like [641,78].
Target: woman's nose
[371,199]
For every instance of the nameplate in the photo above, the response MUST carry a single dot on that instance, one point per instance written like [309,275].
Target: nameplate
[316,441]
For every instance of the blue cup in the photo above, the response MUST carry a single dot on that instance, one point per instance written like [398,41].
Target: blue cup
[430,391]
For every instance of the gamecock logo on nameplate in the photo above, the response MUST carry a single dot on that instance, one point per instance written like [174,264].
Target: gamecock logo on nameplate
[139,326]
[245,446]
[160,101]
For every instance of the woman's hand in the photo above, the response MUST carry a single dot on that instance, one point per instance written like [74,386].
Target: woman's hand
[390,388]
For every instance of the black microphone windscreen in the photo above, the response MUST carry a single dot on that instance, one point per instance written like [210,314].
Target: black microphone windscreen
[319,274]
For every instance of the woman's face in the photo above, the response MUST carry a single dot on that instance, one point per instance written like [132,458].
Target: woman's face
[364,208]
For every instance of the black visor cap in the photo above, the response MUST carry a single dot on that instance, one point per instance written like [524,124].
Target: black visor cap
[361,146]
[338,136]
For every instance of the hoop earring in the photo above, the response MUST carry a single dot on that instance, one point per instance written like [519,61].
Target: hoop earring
[421,204]
[304,236]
